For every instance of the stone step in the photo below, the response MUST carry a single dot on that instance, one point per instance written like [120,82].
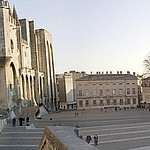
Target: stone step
[21,134]
[14,129]
[20,138]
[20,141]
[19,147]
[23,129]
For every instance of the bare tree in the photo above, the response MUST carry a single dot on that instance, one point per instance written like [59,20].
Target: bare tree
[146,64]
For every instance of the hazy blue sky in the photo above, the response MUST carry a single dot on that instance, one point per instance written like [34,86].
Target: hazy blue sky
[93,35]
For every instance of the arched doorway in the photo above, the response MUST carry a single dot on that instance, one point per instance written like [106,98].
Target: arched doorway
[31,86]
[13,78]
[41,94]
[23,89]
[27,87]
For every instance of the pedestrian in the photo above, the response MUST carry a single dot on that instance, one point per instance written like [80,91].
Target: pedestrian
[95,139]
[14,122]
[27,121]
[23,121]
[75,114]
[88,138]
[76,130]
[20,121]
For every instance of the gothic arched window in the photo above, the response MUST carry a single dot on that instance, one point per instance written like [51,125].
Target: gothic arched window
[12,45]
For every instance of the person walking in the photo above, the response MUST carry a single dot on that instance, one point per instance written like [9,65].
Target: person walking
[76,130]
[95,139]
[27,121]
[20,121]
[14,122]
[23,121]
[88,138]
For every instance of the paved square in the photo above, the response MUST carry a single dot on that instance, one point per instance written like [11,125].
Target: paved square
[119,130]
[125,129]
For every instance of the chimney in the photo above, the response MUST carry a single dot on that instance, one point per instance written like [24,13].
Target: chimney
[83,72]
[128,72]
[91,72]
[102,72]
[110,72]
[120,72]
[106,72]
[99,72]
[96,72]
[73,71]
[117,72]
[134,73]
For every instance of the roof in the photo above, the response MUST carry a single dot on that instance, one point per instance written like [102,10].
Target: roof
[145,79]
[107,77]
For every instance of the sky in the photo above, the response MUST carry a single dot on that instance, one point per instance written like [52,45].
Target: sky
[93,35]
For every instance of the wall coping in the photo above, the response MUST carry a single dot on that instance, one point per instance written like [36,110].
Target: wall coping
[64,138]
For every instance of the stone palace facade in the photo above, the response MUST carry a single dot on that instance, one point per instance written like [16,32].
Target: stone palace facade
[146,92]
[27,73]
[107,90]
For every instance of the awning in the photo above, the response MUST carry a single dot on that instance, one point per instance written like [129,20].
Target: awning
[148,102]
[70,103]
[142,102]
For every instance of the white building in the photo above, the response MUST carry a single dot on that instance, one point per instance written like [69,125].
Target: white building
[66,89]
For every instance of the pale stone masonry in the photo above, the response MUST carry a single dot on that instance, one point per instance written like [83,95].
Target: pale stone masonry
[146,92]
[66,89]
[107,90]
[26,62]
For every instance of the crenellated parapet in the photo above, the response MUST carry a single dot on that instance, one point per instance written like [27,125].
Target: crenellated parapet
[4,4]
[13,17]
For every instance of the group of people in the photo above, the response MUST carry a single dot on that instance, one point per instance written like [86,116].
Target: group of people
[89,138]
[21,121]
[76,114]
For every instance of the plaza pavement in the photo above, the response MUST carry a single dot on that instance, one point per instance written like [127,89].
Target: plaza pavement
[119,130]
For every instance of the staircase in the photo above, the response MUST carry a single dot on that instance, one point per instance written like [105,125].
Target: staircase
[20,138]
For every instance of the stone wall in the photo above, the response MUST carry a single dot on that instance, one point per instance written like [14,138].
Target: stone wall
[62,138]
[22,51]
